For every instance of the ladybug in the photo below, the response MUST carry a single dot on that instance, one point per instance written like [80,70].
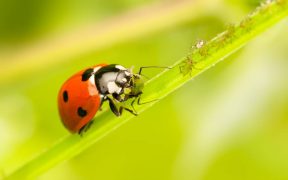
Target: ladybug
[82,95]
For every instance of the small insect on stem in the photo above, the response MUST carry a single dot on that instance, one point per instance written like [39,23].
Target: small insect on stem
[187,66]
[200,44]
[246,23]
[228,35]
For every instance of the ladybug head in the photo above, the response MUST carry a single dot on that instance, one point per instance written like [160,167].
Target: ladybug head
[124,77]
[115,79]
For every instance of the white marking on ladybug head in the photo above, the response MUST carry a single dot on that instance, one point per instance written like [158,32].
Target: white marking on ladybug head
[124,80]
[120,67]
[92,79]
[105,79]
[109,76]
[96,69]
[127,73]
[113,88]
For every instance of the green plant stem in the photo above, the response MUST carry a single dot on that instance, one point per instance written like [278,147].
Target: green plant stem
[160,86]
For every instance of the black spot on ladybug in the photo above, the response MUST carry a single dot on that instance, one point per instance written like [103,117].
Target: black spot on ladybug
[81,112]
[65,96]
[87,74]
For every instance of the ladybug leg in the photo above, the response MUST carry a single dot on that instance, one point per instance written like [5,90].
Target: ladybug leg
[114,108]
[101,103]
[141,103]
[118,97]
[138,98]
[132,104]
[129,110]
[85,128]
[119,112]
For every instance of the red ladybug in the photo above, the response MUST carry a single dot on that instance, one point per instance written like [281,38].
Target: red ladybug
[81,96]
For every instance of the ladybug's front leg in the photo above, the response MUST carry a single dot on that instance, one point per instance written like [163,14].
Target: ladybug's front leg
[129,110]
[118,97]
[85,128]
[113,107]
[104,98]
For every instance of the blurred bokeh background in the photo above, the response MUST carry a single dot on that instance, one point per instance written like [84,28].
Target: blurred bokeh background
[231,122]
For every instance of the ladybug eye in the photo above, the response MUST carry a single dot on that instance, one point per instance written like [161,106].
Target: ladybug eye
[65,96]
[81,112]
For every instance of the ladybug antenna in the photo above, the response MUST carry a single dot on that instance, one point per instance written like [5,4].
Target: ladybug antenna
[146,67]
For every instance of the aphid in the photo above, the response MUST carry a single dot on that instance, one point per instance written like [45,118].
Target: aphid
[200,44]
[187,66]
[227,36]
[202,48]
[246,23]
[230,31]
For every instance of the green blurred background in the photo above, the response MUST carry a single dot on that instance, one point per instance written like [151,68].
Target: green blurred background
[228,123]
